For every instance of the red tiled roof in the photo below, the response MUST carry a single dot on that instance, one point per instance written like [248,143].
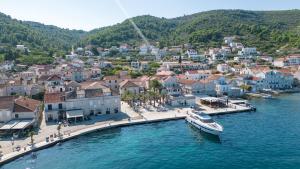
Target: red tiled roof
[54,77]
[6,102]
[128,83]
[111,77]
[53,97]
[192,72]
[23,104]
[187,81]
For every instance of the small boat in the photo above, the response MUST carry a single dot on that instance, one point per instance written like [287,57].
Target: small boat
[204,123]
[266,96]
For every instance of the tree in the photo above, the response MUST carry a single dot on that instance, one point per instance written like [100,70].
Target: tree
[246,88]
[155,85]
[58,130]
[31,134]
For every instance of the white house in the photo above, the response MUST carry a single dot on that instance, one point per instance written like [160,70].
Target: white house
[135,64]
[223,68]
[197,74]
[193,54]
[291,60]
[21,108]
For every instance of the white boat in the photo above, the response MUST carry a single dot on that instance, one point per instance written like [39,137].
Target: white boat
[266,96]
[204,123]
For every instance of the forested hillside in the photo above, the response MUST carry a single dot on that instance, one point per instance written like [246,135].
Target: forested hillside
[266,30]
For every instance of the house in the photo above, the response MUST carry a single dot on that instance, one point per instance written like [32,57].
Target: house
[222,87]
[170,85]
[218,54]
[144,66]
[223,68]
[19,113]
[124,48]
[197,74]
[130,86]
[229,39]
[26,108]
[112,81]
[193,54]
[54,106]
[41,69]
[267,58]
[105,64]
[15,87]
[7,65]
[281,62]
[186,65]
[190,86]
[6,108]
[135,64]
[28,77]
[291,60]
[276,80]
[175,49]
[54,84]
[90,99]
[235,45]
[144,49]
[247,53]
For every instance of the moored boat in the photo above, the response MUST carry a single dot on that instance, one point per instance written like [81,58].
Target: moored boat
[204,123]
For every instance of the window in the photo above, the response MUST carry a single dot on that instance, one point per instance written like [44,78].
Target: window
[60,106]
[16,116]
[49,106]
[108,111]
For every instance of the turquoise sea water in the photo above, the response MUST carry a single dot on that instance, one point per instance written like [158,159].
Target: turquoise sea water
[266,139]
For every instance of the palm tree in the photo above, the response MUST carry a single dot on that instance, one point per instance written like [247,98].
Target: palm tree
[164,95]
[31,134]
[58,130]
[128,98]
[155,85]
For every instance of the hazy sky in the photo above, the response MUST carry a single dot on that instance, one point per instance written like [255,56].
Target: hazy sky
[89,14]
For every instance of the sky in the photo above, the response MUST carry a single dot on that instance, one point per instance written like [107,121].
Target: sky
[91,14]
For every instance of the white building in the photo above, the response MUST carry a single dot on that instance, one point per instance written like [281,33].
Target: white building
[223,68]
[135,64]
[197,74]
[90,98]
[292,60]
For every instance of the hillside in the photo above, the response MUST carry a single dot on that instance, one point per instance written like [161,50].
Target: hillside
[152,27]
[42,40]
[268,30]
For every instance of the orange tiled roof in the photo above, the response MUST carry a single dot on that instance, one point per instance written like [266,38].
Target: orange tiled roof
[23,104]
[53,97]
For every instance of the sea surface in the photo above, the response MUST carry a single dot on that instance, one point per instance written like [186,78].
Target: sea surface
[266,139]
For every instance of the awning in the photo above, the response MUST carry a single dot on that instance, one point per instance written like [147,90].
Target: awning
[9,124]
[74,113]
[17,124]
[23,124]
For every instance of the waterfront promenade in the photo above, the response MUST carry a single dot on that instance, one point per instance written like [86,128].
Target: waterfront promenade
[126,118]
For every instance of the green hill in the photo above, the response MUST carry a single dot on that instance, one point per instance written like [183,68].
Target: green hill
[42,40]
[266,30]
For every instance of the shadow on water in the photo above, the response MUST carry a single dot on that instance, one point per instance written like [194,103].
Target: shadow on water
[201,136]
[105,134]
